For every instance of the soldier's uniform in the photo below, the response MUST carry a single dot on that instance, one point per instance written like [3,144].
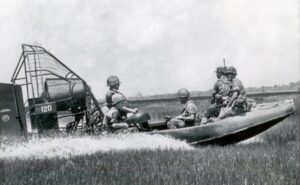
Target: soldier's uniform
[108,97]
[240,104]
[115,117]
[221,89]
[189,109]
[113,82]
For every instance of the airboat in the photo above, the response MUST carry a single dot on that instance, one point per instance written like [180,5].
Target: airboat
[46,95]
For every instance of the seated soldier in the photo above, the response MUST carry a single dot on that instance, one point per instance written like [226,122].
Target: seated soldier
[237,103]
[113,83]
[219,95]
[188,113]
[117,115]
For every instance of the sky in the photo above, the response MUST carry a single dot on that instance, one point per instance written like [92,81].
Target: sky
[157,47]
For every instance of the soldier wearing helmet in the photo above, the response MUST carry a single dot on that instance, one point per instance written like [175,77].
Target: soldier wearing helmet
[188,113]
[237,103]
[219,95]
[221,86]
[113,83]
[118,105]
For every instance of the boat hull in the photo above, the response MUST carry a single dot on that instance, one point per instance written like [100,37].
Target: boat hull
[234,129]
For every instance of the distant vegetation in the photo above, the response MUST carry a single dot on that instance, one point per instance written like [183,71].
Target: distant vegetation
[290,86]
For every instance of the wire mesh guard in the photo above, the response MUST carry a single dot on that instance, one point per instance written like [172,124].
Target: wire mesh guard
[54,92]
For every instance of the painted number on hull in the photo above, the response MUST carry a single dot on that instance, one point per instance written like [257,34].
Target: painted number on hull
[45,108]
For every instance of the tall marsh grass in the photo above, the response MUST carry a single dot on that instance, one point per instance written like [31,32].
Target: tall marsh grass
[286,131]
[236,164]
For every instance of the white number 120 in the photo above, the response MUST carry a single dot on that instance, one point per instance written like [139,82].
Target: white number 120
[46,108]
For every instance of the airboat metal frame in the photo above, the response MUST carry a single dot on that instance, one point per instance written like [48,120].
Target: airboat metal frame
[32,73]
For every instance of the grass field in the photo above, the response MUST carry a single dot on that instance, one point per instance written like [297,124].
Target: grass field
[241,164]
[274,160]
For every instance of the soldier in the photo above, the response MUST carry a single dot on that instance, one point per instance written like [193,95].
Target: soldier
[237,103]
[117,104]
[221,86]
[219,96]
[188,113]
[114,84]
[117,115]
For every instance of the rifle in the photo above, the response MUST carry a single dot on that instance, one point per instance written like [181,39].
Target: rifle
[224,63]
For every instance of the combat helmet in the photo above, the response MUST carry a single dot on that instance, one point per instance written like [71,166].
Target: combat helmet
[221,70]
[112,80]
[183,93]
[231,70]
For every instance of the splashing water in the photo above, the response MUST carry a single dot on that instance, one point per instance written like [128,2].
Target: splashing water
[73,146]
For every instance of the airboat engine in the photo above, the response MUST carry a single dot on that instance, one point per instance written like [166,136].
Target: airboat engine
[66,93]
[57,98]
[60,96]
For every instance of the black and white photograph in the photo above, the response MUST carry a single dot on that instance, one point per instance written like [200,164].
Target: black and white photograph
[141,92]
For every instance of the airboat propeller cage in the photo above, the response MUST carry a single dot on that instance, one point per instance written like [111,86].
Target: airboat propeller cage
[53,90]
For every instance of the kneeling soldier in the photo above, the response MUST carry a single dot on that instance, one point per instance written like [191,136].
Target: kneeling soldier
[117,115]
[188,113]
[237,94]
[219,95]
